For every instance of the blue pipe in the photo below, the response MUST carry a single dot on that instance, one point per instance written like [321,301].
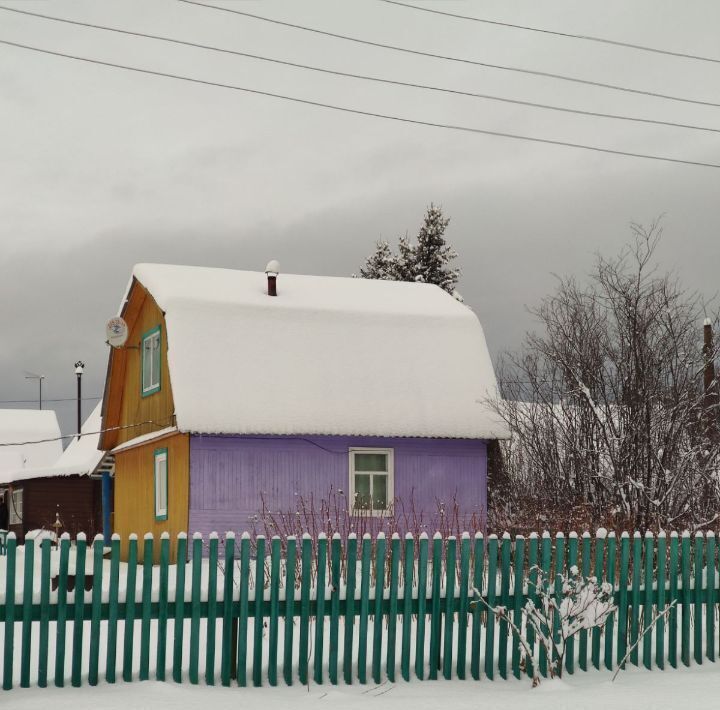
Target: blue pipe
[106,504]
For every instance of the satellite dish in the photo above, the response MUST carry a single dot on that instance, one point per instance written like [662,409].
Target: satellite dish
[116,331]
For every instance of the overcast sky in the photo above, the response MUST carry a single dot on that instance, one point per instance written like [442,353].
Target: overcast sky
[102,168]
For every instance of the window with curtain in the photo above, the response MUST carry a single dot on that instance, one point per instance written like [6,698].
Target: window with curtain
[161,484]
[371,480]
[15,504]
[151,362]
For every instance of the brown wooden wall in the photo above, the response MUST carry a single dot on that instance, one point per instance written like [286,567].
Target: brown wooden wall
[78,499]
[135,491]
[125,405]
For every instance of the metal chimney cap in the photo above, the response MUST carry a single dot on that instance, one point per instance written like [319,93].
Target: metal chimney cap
[273,267]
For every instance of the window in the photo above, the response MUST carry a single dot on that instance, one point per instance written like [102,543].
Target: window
[151,362]
[161,484]
[371,480]
[15,503]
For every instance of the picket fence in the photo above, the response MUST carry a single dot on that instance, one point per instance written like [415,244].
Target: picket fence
[284,610]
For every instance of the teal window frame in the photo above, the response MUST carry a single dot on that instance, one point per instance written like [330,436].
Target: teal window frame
[156,455]
[155,388]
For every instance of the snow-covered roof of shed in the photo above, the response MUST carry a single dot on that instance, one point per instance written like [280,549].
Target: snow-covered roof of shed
[81,457]
[27,425]
[328,355]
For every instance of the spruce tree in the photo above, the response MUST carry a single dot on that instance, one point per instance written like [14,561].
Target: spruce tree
[382,264]
[426,261]
[405,260]
[432,253]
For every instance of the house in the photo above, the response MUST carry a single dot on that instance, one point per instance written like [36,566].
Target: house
[61,486]
[28,438]
[225,392]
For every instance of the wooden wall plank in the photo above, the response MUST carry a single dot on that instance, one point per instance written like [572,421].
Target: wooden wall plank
[135,491]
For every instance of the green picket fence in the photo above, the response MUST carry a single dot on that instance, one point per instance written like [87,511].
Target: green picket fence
[318,611]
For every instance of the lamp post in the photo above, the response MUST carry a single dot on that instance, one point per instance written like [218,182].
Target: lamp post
[39,378]
[79,367]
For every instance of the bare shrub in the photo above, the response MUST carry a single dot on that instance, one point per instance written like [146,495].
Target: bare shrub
[333,514]
[556,615]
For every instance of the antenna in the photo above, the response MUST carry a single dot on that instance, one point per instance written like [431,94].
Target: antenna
[39,378]
[116,332]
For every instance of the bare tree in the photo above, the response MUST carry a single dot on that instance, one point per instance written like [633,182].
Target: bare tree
[614,406]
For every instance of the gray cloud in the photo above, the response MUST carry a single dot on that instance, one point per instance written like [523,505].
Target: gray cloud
[101,169]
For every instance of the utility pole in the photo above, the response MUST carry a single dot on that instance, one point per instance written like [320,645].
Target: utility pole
[711,397]
[79,367]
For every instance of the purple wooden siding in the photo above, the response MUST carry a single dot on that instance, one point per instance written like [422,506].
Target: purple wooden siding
[229,473]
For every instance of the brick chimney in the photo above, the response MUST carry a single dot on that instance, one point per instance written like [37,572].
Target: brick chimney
[271,271]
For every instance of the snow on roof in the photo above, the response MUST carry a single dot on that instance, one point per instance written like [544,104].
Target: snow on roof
[328,355]
[80,457]
[27,425]
[145,438]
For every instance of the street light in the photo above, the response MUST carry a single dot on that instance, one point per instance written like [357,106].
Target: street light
[39,378]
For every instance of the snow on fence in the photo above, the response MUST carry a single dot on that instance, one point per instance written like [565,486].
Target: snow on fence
[338,611]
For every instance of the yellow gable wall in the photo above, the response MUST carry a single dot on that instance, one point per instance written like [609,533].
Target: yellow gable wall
[134,510]
[158,407]
[135,492]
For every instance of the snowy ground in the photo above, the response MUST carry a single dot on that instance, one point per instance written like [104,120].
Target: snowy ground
[635,690]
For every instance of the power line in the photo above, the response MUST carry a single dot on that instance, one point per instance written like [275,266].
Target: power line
[359,112]
[162,423]
[473,62]
[570,35]
[364,77]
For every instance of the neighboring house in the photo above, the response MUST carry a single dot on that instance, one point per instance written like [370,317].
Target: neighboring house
[28,438]
[223,393]
[64,486]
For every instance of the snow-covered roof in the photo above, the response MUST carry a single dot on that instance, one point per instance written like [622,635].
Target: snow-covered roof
[27,425]
[328,355]
[145,438]
[81,457]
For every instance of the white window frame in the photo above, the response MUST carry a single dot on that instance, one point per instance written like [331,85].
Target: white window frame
[390,453]
[161,482]
[15,506]
[155,336]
